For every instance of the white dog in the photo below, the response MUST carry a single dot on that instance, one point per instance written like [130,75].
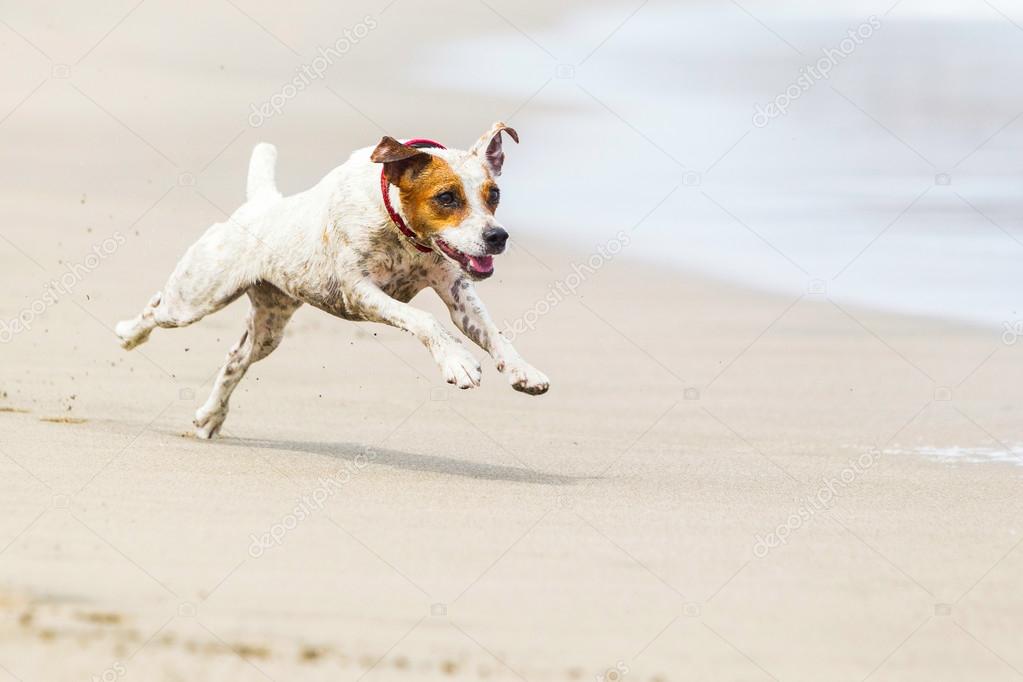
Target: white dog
[389,222]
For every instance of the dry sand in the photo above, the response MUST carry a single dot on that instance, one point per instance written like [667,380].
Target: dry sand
[611,525]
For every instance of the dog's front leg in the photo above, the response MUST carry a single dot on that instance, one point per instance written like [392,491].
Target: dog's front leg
[471,317]
[457,365]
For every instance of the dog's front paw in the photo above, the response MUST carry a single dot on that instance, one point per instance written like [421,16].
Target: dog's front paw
[460,368]
[528,379]
[208,422]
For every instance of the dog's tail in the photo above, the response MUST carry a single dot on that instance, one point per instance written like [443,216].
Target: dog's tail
[261,183]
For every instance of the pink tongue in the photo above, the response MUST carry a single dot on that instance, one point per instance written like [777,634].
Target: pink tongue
[481,263]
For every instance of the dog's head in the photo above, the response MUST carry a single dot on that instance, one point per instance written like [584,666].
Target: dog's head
[449,197]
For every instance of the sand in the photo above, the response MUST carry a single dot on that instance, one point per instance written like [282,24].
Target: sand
[721,483]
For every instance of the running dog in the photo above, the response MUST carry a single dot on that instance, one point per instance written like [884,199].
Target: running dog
[389,222]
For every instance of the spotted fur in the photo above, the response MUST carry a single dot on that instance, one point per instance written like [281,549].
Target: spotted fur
[334,247]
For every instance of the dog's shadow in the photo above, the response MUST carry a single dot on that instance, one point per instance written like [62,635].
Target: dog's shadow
[363,456]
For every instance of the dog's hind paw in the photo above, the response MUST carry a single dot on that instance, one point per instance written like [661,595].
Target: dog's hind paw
[461,369]
[528,379]
[131,334]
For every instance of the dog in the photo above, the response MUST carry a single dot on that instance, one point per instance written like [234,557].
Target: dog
[389,222]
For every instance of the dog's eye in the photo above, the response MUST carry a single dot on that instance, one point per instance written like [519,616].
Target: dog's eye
[494,195]
[446,199]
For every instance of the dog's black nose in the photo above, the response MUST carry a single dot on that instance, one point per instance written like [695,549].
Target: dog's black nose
[495,238]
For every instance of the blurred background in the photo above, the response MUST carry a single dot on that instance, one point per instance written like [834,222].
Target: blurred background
[883,172]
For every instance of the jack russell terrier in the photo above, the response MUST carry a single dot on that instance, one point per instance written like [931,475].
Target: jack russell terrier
[358,245]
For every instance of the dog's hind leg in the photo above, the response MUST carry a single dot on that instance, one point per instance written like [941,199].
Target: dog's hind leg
[201,284]
[216,270]
[168,308]
[270,312]
[136,331]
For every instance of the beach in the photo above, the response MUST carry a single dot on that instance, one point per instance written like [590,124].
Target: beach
[355,504]
[728,480]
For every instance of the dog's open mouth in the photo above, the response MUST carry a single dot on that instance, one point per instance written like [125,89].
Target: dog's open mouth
[477,267]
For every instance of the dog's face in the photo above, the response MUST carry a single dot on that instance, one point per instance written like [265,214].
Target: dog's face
[449,197]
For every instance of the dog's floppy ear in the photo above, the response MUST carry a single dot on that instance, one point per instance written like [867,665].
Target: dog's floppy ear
[396,157]
[489,146]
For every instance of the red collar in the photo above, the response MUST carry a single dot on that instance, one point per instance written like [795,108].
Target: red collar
[395,218]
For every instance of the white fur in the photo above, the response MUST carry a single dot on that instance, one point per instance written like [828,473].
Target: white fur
[333,247]
[261,172]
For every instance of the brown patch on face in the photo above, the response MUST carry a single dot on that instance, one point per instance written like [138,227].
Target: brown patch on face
[490,194]
[432,195]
